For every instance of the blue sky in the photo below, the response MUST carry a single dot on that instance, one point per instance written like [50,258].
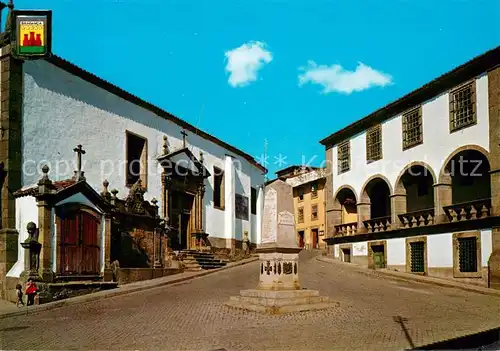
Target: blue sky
[291,72]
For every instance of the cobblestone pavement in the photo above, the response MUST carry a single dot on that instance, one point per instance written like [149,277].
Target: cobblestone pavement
[191,316]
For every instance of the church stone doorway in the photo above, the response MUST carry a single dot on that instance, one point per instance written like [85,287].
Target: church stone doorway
[301,238]
[181,216]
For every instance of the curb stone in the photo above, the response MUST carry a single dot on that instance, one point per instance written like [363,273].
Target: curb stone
[413,278]
[125,289]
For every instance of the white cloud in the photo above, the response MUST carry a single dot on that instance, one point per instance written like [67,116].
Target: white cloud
[335,78]
[244,62]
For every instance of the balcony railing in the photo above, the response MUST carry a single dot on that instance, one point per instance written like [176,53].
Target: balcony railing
[417,218]
[346,229]
[468,210]
[376,225]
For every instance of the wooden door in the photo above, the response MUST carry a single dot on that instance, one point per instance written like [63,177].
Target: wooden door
[301,239]
[314,234]
[79,252]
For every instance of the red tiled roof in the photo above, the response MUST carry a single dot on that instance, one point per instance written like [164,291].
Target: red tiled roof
[33,191]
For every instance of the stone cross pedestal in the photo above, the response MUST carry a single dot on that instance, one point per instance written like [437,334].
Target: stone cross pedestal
[279,289]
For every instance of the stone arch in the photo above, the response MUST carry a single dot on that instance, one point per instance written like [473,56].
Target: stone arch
[467,178]
[364,198]
[336,202]
[375,197]
[414,188]
[443,176]
[398,186]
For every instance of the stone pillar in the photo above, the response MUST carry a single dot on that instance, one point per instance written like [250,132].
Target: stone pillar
[9,243]
[330,217]
[166,183]
[260,205]
[11,95]
[108,272]
[229,210]
[398,206]
[494,159]
[45,192]
[364,212]
[442,197]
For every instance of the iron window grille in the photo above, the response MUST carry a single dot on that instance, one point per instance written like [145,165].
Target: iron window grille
[374,144]
[344,157]
[463,107]
[467,254]
[417,251]
[412,128]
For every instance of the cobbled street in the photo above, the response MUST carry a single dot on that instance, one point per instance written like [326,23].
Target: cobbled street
[191,316]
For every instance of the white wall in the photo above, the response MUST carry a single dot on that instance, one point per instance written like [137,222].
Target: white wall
[438,142]
[396,252]
[26,211]
[62,110]
[439,250]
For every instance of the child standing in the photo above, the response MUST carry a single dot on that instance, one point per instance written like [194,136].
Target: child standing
[31,292]
[19,293]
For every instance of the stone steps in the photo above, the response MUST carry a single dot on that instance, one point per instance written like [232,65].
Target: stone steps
[196,260]
[280,302]
[280,309]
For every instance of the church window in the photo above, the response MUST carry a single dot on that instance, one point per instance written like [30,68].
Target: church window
[136,159]
[412,128]
[300,217]
[463,107]
[218,188]
[344,156]
[374,144]
[467,254]
[253,196]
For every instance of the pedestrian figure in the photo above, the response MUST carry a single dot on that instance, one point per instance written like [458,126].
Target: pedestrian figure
[19,293]
[31,291]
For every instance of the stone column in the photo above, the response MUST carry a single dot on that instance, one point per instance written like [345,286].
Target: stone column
[364,213]
[442,197]
[44,225]
[494,159]
[398,206]
[45,193]
[108,272]
[9,243]
[229,210]
[166,183]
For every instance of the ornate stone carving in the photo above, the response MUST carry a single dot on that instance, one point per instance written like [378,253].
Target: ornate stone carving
[279,268]
[166,150]
[295,268]
[275,270]
[268,268]
[262,268]
[135,199]
[287,267]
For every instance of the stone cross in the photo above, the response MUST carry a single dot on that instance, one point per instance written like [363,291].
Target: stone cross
[78,173]
[184,135]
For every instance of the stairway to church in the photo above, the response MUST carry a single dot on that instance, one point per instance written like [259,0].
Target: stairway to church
[196,261]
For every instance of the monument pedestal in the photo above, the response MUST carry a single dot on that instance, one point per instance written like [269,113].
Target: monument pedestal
[279,289]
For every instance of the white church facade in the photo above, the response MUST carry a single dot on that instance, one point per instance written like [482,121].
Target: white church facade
[414,186]
[198,183]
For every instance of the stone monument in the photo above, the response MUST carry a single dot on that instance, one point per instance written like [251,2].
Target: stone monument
[279,289]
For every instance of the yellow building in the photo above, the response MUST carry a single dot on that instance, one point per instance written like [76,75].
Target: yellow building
[309,204]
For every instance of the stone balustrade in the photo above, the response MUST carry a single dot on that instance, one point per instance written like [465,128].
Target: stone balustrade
[417,218]
[346,229]
[376,225]
[465,211]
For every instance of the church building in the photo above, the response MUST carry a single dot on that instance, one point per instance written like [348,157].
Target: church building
[78,153]
[415,186]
